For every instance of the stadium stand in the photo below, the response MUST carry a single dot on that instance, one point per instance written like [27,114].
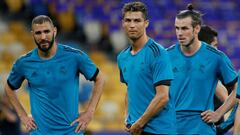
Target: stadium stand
[79,24]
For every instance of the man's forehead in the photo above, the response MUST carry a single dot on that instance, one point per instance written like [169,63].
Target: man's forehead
[183,22]
[133,15]
[45,25]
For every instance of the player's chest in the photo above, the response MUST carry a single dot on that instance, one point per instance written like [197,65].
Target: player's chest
[194,67]
[47,72]
[134,67]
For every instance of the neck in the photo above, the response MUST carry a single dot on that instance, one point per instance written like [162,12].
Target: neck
[48,54]
[138,44]
[189,50]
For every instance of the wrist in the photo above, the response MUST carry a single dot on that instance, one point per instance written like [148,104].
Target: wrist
[91,110]
[218,115]
[23,116]
[141,122]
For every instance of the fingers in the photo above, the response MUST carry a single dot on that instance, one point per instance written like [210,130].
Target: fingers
[75,121]
[30,125]
[28,129]
[127,127]
[81,126]
[204,113]
[208,116]
[135,129]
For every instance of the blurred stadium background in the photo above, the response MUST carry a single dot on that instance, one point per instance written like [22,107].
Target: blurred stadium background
[95,27]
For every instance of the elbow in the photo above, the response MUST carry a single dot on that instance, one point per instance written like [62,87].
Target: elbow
[163,100]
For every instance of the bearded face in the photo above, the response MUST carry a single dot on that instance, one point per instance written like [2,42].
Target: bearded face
[44,36]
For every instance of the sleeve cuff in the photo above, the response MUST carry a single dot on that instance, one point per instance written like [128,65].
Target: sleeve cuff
[11,86]
[163,82]
[95,75]
[238,96]
[230,84]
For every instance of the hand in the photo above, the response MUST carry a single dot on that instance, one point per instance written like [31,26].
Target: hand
[29,123]
[136,128]
[127,127]
[83,121]
[210,116]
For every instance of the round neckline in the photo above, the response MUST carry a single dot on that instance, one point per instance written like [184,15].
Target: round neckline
[179,48]
[53,57]
[146,44]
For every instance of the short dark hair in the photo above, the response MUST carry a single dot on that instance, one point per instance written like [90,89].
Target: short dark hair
[195,15]
[135,7]
[207,34]
[41,19]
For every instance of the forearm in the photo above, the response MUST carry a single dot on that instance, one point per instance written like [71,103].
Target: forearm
[155,106]
[96,93]
[126,105]
[9,115]
[15,102]
[236,128]
[229,103]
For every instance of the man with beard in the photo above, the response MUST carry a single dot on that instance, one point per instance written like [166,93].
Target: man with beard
[146,70]
[197,68]
[52,72]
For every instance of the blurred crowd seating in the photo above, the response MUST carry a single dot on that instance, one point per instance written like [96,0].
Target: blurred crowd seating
[95,26]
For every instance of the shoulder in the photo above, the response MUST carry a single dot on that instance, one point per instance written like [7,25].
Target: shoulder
[23,59]
[71,51]
[124,52]
[156,49]
[26,56]
[213,50]
[68,49]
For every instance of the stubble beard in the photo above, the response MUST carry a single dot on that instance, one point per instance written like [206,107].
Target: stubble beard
[189,44]
[48,48]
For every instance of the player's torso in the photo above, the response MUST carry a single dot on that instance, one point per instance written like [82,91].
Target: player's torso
[52,72]
[195,78]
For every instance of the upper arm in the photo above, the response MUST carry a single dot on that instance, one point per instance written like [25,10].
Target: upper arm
[228,75]
[162,69]
[238,88]
[99,77]
[120,71]
[86,66]
[221,92]
[162,91]
[16,77]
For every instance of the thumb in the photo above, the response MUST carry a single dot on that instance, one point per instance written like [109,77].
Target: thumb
[75,121]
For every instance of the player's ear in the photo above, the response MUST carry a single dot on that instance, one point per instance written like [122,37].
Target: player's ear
[146,23]
[122,22]
[55,31]
[197,28]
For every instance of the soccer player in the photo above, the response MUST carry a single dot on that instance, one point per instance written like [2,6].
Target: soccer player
[9,120]
[209,35]
[52,73]
[146,70]
[197,68]
[236,128]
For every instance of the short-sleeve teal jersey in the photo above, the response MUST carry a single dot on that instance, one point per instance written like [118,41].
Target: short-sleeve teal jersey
[194,85]
[238,88]
[141,73]
[53,87]
[196,76]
